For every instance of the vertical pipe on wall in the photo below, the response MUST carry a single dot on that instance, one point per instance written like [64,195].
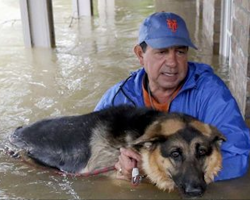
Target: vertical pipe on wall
[37,23]
[82,8]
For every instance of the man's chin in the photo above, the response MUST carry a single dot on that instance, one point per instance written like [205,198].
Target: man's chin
[169,86]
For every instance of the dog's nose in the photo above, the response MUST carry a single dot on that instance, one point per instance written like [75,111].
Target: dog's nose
[194,190]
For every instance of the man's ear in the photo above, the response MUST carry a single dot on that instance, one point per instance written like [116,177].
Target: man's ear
[139,53]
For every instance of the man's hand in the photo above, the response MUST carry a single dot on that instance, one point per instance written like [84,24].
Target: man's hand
[127,161]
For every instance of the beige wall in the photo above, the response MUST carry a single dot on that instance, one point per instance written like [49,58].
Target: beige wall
[239,59]
[211,22]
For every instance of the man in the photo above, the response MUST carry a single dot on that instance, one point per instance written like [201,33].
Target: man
[170,83]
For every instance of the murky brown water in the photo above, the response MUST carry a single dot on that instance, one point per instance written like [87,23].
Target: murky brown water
[92,54]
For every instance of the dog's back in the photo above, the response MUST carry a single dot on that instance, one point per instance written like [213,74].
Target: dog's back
[66,142]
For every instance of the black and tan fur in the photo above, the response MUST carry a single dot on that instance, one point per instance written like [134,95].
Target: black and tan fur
[177,150]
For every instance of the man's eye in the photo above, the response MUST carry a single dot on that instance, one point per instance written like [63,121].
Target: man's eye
[181,52]
[161,52]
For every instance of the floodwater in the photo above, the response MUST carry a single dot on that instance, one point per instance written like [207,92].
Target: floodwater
[92,53]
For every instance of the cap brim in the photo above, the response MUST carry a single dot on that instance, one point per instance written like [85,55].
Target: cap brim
[169,42]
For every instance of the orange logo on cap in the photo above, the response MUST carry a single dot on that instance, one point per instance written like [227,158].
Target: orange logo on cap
[172,24]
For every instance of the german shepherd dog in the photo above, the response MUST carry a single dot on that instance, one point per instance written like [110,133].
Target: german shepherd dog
[177,150]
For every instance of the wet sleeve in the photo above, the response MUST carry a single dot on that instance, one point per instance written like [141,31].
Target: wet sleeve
[220,109]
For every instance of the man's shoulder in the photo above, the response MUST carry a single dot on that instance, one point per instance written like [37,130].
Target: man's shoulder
[124,92]
[135,78]
[200,68]
[138,74]
[204,75]
[202,71]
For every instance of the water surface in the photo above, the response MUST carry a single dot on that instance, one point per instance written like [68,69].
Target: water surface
[92,54]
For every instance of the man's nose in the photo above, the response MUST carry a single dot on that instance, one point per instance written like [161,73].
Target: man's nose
[171,60]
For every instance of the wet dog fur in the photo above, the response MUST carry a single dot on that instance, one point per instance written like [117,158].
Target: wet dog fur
[177,150]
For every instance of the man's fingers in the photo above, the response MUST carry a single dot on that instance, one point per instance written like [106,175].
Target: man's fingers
[127,161]
[126,165]
[131,154]
[121,173]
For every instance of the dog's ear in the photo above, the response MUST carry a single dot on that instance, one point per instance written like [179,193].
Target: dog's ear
[157,132]
[210,131]
[150,138]
[147,142]
[216,136]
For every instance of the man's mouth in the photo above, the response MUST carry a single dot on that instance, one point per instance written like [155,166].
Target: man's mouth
[169,74]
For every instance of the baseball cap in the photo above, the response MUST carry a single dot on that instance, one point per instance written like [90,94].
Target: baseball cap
[163,30]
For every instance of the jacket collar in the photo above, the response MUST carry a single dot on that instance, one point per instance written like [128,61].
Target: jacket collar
[195,70]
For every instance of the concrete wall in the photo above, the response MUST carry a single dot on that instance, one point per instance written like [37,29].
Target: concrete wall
[211,22]
[239,60]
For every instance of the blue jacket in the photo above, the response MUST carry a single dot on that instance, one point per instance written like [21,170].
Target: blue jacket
[204,96]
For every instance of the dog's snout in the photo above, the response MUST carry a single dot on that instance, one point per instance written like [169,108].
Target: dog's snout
[193,190]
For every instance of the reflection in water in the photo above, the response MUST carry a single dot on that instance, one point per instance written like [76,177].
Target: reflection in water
[92,54]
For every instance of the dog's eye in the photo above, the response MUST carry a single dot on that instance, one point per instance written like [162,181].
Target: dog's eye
[175,154]
[202,152]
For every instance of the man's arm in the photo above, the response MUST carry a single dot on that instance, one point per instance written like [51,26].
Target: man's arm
[220,109]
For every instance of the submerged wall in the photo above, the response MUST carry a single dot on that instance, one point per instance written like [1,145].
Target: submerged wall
[239,56]
[239,59]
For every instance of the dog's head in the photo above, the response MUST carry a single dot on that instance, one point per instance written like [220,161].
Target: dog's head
[178,150]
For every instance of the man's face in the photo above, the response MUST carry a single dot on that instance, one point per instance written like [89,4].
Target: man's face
[166,68]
